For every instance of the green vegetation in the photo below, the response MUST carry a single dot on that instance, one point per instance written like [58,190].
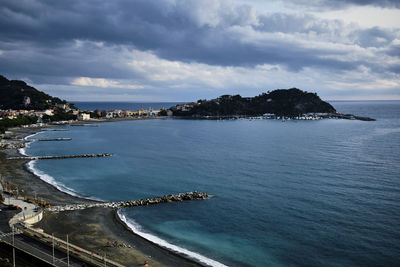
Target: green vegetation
[94,115]
[281,102]
[13,93]
[22,120]
[59,116]
[163,112]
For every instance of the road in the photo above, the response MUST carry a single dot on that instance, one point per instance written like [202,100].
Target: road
[32,245]
[43,251]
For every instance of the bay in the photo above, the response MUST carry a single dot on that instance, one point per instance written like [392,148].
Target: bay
[300,193]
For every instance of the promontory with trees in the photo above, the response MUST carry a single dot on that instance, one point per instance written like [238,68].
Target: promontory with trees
[280,103]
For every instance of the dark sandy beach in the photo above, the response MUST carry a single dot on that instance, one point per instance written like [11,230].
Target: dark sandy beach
[96,229]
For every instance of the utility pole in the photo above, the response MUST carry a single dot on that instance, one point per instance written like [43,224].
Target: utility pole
[67,252]
[53,248]
[13,246]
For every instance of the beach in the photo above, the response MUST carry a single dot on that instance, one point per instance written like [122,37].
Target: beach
[96,229]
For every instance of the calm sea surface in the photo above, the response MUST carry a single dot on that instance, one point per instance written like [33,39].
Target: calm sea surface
[294,193]
[123,105]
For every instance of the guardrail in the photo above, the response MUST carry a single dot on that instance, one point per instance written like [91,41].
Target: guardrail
[36,259]
[81,253]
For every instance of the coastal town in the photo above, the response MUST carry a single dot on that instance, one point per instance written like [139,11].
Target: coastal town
[78,114]
[67,113]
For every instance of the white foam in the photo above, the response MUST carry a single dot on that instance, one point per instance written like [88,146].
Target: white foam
[27,137]
[137,229]
[22,151]
[49,179]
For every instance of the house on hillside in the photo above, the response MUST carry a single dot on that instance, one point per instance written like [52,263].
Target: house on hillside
[84,116]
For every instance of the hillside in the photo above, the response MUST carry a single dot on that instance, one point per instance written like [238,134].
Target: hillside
[13,93]
[282,102]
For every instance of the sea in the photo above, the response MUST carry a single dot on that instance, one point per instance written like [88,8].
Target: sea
[293,193]
[123,105]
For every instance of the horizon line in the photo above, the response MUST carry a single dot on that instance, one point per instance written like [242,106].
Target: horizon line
[138,101]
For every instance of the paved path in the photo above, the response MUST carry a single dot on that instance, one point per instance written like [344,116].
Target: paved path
[43,249]
[28,209]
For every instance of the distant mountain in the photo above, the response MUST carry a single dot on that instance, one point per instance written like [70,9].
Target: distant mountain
[281,102]
[18,95]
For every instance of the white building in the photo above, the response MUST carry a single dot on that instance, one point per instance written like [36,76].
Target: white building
[84,117]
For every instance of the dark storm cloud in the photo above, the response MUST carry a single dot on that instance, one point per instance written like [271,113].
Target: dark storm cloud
[67,59]
[374,37]
[42,35]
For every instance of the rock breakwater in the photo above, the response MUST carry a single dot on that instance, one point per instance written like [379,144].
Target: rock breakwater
[62,157]
[134,203]
[54,139]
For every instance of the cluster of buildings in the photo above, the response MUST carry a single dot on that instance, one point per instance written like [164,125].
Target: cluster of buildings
[13,114]
[185,107]
[81,115]
[117,113]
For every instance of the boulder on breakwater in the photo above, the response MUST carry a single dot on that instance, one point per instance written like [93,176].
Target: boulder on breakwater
[53,139]
[133,203]
[63,157]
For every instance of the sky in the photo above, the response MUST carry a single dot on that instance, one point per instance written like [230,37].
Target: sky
[185,50]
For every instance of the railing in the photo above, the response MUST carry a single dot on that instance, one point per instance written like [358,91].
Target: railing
[82,253]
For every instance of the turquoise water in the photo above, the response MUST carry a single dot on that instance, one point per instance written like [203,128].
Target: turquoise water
[300,193]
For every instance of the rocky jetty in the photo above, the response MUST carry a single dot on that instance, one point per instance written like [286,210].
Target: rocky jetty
[55,130]
[62,157]
[351,117]
[54,139]
[134,203]
[84,125]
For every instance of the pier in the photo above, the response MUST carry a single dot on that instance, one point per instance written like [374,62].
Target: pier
[134,203]
[84,125]
[53,139]
[62,157]
[55,130]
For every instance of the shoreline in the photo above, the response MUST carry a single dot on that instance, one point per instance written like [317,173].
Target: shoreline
[108,227]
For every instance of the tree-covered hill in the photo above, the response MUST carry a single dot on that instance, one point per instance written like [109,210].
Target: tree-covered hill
[13,93]
[281,102]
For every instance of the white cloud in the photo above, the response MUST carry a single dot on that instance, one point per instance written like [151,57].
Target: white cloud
[365,16]
[104,83]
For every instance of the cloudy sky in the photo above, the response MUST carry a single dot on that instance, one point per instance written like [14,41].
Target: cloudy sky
[183,50]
